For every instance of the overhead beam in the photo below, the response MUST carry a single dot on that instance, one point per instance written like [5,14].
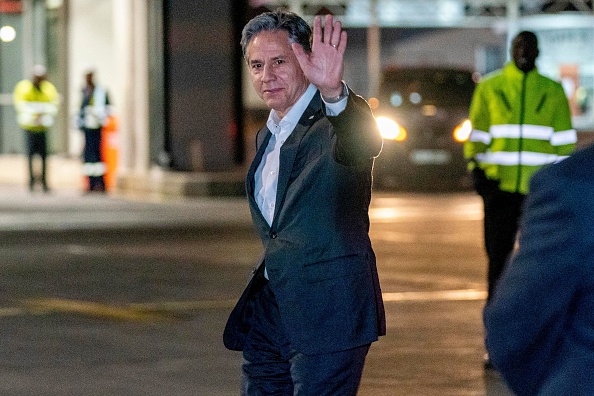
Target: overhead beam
[428,13]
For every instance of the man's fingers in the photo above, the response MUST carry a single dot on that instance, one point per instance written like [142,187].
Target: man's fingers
[299,53]
[317,31]
[331,34]
[328,28]
[336,34]
[343,42]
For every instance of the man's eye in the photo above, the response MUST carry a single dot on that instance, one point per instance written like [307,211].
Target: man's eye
[280,61]
[256,65]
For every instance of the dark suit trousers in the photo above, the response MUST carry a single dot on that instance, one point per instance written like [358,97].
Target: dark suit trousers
[502,216]
[272,367]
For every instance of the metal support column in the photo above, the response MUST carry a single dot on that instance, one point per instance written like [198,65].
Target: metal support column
[513,16]
[374,64]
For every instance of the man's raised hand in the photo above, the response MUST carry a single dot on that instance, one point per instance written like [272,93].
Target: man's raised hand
[324,66]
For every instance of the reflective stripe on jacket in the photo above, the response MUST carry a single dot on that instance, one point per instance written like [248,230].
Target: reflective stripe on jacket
[36,108]
[521,122]
[94,110]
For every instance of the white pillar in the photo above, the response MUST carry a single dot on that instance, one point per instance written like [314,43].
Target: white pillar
[513,17]
[131,49]
[27,38]
[374,62]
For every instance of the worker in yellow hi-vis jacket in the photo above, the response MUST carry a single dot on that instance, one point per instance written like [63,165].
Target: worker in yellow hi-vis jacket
[521,123]
[36,102]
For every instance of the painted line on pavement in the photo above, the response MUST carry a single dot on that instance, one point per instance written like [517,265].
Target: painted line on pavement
[158,311]
[172,306]
[6,312]
[49,305]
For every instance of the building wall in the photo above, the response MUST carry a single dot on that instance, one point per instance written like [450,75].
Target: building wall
[91,44]
[198,88]
[434,47]
[11,64]
[200,84]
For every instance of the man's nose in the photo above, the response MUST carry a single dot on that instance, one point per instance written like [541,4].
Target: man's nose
[268,73]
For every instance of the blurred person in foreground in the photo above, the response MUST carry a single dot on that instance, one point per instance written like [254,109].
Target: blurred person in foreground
[36,103]
[313,305]
[521,122]
[539,324]
[94,110]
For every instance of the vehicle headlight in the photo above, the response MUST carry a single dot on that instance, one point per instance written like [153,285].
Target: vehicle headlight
[462,131]
[390,129]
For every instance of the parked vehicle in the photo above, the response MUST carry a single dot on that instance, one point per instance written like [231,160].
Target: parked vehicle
[422,113]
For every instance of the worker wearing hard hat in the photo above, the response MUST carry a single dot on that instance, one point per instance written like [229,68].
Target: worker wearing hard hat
[36,102]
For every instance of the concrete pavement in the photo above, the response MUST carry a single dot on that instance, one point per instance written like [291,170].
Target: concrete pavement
[64,173]
[72,210]
[68,208]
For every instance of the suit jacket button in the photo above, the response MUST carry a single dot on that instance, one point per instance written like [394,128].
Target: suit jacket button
[273,235]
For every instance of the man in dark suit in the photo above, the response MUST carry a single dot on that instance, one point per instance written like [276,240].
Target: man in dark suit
[539,323]
[313,307]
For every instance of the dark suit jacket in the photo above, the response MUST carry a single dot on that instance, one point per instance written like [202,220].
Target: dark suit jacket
[540,322]
[317,253]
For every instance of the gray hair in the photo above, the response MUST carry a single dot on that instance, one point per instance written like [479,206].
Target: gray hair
[299,31]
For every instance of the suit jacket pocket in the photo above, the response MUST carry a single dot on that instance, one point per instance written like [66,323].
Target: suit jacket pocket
[338,267]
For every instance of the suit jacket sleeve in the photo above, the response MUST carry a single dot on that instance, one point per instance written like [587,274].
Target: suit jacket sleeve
[358,136]
[530,311]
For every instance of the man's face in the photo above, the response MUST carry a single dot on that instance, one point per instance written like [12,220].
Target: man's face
[89,78]
[37,79]
[275,71]
[524,53]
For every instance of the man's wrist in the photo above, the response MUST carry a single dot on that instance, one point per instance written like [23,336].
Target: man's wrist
[343,94]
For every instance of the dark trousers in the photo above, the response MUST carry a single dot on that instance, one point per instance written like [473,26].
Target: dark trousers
[37,145]
[272,367]
[92,159]
[502,215]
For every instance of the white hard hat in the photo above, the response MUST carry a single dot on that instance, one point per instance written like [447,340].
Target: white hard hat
[89,69]
[39,70]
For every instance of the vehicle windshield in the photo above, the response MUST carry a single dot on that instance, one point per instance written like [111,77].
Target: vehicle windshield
[414,88]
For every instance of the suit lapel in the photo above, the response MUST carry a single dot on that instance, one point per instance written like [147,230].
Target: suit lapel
[262,142]
[289,150]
